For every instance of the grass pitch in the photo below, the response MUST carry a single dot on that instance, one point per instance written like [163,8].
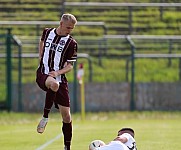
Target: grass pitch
[154,130]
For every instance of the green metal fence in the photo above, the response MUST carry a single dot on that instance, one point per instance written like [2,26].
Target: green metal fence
[10,58]
[11,69]
[3,104]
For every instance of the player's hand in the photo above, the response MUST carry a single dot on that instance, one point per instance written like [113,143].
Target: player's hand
[53,73]
[121,139]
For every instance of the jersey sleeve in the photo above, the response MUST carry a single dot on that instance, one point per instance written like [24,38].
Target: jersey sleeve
[72,52]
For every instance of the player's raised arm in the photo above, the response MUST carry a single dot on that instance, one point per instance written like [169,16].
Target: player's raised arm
[121,139]
[68,67]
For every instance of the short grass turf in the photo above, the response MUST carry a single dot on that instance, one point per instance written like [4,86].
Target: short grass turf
[154,130]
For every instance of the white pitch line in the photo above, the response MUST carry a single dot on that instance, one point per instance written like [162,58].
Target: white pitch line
[51,141]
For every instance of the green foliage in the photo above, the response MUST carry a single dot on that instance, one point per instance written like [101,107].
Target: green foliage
[158,70]
[172,16]
[115,18]
[112,70]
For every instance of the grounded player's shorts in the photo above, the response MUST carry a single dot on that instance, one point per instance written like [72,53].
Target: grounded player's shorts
[62,95]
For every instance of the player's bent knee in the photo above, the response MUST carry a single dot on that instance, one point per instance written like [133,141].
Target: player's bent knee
[54,86]
[67,119]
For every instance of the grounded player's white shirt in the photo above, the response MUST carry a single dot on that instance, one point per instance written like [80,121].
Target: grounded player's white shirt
[113,145]
[117,145]
[131,143]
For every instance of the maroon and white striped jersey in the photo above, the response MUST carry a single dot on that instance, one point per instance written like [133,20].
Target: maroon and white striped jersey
[56,51]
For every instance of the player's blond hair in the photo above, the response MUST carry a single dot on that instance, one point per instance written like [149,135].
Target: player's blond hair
[69,17]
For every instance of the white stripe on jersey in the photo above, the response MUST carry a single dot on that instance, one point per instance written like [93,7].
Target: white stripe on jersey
[56,47]
[47,50]
[58,53]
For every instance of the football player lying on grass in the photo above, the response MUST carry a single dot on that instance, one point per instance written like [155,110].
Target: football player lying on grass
[124,141]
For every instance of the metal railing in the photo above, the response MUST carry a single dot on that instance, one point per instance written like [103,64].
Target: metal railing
[130,8]
[40,23]
[100,4]
[134,55]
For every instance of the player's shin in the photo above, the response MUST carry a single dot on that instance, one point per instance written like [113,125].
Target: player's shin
[67,132]
[50,96]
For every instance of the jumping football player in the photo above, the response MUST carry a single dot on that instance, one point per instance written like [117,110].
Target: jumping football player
[57,53]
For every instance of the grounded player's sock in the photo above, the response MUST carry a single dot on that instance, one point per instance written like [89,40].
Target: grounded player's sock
[67,132]
[50,96]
